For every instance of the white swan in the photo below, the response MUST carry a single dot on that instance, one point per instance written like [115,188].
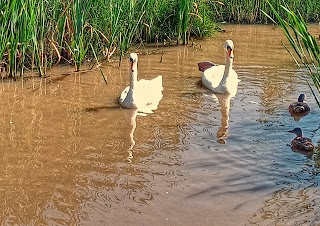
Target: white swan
[220,78]
[143,95]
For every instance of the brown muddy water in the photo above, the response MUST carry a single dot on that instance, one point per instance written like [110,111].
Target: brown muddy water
[71,156]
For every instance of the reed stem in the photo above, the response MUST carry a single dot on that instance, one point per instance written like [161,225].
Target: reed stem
[306,50]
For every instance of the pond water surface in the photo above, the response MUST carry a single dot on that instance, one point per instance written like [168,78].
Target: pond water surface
[71,156]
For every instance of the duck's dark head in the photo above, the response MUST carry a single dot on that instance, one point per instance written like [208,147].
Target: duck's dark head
[297,131]
[302,97]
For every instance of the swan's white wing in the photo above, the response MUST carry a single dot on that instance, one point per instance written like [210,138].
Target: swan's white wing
[232,83]
[146,95]
[149,94]
[211,77]
[149,85]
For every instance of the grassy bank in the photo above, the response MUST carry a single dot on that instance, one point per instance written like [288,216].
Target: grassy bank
[36,35]
[249,11]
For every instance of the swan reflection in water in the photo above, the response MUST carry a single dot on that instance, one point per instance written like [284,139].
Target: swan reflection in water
[133,124]
[224,101]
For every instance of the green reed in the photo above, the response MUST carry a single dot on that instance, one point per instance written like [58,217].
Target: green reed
[39,34]
[80,31]
[249,11]
[201,20]
[133,18]
[305,45]
[36,35]
[160,20]
[184,17]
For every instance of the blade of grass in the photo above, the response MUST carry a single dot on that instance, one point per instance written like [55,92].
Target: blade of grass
[303,43]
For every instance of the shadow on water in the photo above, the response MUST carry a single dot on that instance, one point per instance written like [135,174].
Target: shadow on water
[98,108]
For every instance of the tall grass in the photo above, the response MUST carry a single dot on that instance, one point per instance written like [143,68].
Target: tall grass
[36,35]
[195,18]
[160,20]
[249,11]
[202,19]
[133,19]
[24,36]
[306,50]
[184,17]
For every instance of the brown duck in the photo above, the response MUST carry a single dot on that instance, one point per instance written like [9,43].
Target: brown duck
[301,143]
[299,108]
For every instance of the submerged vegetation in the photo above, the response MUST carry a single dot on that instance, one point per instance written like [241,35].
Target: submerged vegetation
[39,34]
[306,50]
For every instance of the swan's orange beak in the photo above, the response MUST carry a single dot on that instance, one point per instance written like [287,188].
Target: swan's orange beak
[230,53]
[131,66]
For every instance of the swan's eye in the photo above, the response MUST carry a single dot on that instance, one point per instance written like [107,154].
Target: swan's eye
[133,60]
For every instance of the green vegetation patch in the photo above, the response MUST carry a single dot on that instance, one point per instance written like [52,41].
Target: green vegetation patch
[249,11]
[39,34]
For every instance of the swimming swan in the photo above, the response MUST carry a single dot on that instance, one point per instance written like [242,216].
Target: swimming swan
[143,95]
[220,78]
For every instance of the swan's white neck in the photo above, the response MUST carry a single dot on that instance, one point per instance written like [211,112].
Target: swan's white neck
[133,76]
[227,68]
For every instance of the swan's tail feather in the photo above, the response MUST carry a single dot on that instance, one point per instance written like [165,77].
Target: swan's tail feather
[205,65]
[158,81]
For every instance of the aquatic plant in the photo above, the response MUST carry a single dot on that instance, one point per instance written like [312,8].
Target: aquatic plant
[305,45]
